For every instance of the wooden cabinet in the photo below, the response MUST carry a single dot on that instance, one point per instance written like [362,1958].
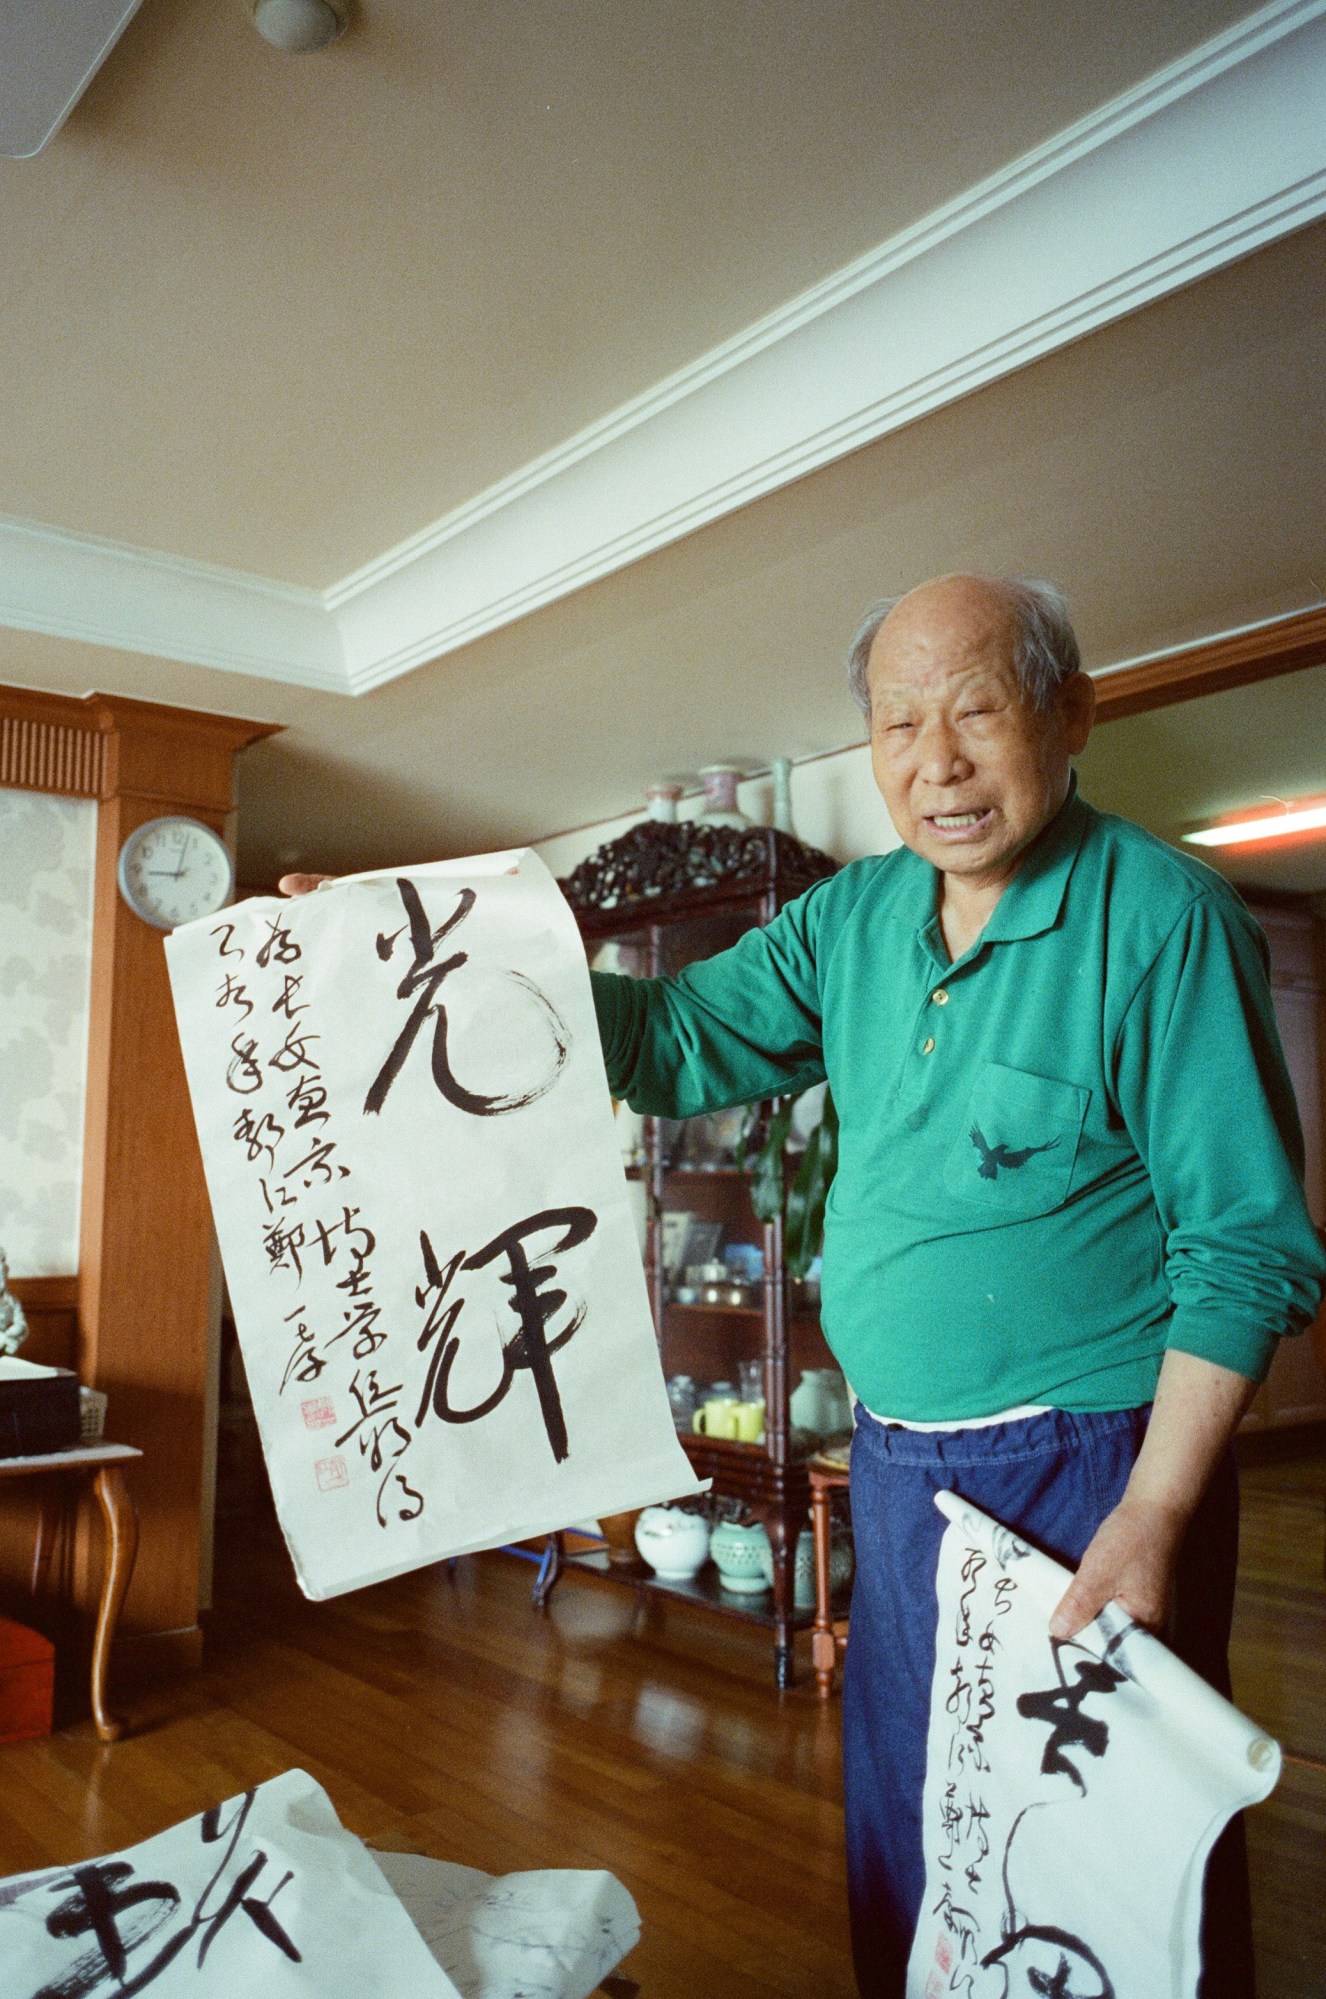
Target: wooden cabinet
[1295,1390]
[666,896]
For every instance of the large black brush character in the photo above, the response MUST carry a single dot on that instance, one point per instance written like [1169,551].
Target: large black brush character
[424,978]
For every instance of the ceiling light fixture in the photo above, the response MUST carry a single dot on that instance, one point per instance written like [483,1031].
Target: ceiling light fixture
[1307,816]
[299,25]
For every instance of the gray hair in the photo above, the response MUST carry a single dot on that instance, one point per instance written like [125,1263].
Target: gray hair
[1045,650]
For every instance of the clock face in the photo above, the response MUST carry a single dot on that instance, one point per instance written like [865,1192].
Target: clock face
[172,870]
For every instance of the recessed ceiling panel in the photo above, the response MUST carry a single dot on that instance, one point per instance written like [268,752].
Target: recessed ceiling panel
[48,56]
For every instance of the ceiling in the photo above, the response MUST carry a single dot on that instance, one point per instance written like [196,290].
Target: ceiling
[279,314]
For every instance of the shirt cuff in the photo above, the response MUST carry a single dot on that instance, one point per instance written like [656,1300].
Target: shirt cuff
[1233,1343]
[619,1005]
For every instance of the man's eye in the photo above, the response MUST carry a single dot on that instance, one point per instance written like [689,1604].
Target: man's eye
[970,714]
[896,728]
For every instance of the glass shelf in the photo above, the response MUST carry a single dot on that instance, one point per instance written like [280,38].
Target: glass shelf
[727,1311]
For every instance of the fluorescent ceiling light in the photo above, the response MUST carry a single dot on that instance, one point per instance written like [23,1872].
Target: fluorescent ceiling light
[1267,826]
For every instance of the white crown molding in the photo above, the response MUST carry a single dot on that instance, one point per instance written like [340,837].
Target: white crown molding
[137,600]
[1210,158]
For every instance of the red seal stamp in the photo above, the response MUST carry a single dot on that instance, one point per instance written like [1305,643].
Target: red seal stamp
[318,1413]
[331,1474]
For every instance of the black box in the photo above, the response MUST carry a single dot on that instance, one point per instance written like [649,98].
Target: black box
[39,1415]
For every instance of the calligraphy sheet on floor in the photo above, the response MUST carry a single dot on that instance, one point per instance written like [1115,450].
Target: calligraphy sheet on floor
[422,1212]
[551,1934]
[266,1894]
[1073,1790]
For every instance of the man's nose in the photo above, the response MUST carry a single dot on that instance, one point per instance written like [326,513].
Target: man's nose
[940,757]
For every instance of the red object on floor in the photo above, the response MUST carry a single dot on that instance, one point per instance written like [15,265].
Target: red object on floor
[27,1682]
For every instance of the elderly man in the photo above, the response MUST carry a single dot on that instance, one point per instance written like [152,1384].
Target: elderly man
[1068,1225]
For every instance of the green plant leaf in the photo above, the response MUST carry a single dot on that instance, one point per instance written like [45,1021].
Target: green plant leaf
[803,1237]
[766,1187]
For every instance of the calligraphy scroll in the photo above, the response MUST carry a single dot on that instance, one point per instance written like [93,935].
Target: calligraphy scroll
[265,1894]
[1073,1789]
[419,1197]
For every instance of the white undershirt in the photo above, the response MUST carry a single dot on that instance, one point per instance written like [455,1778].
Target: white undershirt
[964,1422]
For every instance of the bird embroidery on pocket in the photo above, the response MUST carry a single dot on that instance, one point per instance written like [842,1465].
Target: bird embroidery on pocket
[995,1156]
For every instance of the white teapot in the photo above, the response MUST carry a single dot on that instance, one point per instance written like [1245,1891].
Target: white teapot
[673,1542]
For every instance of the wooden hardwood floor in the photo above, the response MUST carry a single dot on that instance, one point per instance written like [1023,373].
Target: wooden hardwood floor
[443,1715]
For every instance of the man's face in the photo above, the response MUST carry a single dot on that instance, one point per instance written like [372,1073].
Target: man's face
[969,770]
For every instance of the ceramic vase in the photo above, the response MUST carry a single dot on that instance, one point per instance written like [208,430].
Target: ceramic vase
[841,1563]
[661,802]
[618,1530]
[781,770]
[819,1403]
[742,1557]
[720,796]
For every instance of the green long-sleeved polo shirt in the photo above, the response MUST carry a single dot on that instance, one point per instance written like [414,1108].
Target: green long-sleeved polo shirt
[1064,1152]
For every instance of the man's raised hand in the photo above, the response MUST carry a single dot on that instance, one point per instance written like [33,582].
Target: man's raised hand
[302,884]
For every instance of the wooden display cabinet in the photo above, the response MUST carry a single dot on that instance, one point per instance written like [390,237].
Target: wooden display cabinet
[667,895]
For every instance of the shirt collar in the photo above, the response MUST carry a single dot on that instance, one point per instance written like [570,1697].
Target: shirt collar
[1031,903]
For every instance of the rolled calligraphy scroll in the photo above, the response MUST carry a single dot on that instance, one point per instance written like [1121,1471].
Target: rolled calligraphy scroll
[421,1208]
[267,1894]
[1073,1789]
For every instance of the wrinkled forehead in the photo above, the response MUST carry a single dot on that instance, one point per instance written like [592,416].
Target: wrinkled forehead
[941,636]
[915,669]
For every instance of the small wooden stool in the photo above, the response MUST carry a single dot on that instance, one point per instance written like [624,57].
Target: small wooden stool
[828,1640]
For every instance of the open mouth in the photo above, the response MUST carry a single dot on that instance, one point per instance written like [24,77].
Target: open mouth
[960,825]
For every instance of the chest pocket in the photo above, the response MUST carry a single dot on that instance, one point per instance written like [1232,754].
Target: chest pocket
[1014,1156]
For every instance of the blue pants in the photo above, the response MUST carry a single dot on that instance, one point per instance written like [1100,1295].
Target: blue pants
[1053,1477]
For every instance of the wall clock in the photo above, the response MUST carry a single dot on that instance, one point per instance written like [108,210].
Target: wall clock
[174,869]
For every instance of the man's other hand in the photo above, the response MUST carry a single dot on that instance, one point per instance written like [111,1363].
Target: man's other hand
[302,884]
[1130,1561]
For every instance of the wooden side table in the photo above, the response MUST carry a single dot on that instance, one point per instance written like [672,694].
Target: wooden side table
[828,1639]
[104,1465]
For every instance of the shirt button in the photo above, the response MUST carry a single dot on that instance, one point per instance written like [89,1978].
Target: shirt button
[928,1045]
[940,997]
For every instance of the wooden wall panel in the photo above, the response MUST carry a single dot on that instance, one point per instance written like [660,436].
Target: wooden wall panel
[145,1257]
[1285,645]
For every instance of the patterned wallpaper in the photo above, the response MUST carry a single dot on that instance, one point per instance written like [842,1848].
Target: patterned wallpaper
[47,851]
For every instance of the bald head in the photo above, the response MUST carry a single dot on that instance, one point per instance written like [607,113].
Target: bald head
[1044,648]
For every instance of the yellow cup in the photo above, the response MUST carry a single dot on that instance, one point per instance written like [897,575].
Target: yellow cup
[717,1418]
[749,1420]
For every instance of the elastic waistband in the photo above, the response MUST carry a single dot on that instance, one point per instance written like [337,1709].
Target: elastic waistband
[1051,1430]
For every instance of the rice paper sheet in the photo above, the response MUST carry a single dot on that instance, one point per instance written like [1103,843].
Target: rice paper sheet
[1073,1789]
[267,1894]
[422,1212]
[554,1933]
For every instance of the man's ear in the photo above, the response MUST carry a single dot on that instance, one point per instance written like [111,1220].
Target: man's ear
[1077,711]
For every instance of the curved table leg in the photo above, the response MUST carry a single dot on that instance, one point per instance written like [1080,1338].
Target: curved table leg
[121,1521]
[47,1521]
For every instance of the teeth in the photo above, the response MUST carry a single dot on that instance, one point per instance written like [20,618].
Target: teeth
[950,820]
